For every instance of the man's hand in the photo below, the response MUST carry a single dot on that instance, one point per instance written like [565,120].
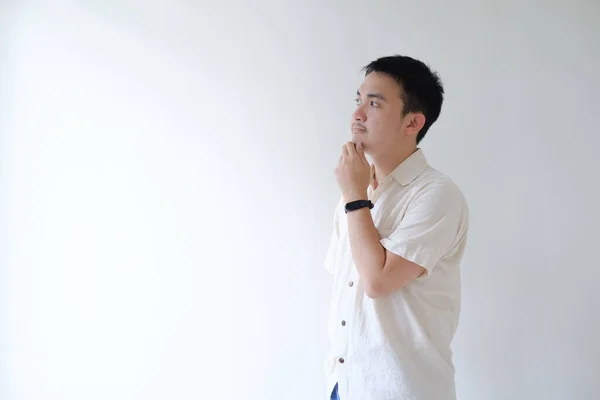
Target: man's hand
[353,172]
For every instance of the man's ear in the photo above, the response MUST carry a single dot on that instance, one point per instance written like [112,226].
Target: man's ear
[414,123]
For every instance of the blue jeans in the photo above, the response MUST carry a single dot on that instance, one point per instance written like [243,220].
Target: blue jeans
[334,394]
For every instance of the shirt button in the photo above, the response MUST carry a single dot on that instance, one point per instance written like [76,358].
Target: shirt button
[350,283]
[341,360]
[343,323]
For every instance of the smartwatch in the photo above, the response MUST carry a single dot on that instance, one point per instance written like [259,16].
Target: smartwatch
[357,205]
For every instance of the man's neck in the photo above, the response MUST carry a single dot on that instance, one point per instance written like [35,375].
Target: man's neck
[387,163]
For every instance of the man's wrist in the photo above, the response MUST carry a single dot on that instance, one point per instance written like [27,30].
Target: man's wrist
[356,196]
[358,205]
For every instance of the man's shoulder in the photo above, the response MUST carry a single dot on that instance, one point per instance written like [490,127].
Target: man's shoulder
[432,180]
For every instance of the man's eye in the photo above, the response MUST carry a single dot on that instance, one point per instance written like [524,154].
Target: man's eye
[357,101]
[374,104]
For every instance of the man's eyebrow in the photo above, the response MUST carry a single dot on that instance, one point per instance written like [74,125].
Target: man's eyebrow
[373,95]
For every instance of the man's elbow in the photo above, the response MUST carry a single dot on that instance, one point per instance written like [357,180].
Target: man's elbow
[383,285]
[395,274]
[376,289]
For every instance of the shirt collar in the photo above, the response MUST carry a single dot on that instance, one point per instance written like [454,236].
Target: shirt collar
[409,169]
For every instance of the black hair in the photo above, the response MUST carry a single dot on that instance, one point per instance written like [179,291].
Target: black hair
[421,88]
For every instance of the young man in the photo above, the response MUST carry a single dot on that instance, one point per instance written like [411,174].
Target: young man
[399,235]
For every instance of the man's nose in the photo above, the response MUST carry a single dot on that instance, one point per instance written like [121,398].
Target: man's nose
[359,114]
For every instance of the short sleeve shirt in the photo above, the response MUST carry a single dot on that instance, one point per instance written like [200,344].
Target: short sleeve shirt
[399,346]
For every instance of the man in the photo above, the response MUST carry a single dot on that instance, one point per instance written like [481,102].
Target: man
[399,235]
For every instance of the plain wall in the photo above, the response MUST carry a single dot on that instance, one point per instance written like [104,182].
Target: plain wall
[167,191]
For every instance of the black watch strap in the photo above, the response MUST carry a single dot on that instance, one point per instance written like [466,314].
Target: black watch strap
[357,205]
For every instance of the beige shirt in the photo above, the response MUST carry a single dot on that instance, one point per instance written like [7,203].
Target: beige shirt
[398,347]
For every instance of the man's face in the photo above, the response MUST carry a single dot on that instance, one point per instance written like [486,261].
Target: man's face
[377,122]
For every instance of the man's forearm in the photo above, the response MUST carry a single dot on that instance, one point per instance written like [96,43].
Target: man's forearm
[367,252]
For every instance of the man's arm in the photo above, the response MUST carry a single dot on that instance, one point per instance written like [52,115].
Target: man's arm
[426,232]
[381,271]
[433,223]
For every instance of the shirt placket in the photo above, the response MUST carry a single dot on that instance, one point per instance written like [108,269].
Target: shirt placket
[345,317]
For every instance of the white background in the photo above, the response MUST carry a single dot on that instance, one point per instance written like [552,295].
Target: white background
[167,191]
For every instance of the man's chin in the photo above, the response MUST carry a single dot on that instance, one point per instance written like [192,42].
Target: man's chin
[361,145]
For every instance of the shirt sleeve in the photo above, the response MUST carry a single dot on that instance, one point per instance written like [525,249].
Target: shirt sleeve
[430,227]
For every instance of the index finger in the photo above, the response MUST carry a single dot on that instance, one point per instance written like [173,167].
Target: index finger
[351,148]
